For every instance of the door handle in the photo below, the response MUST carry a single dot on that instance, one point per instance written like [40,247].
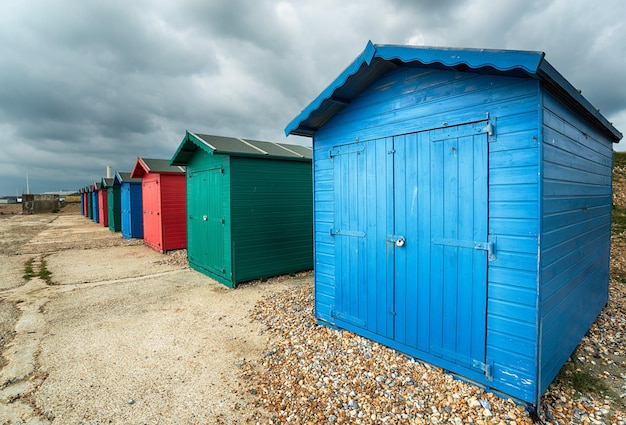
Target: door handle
[400,241]
[205,218]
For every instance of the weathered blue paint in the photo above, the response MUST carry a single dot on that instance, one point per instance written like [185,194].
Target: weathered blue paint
[462,210]
[131,205]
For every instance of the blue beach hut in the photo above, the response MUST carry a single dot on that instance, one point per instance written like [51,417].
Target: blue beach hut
[131,207]
[95,203]
[462,210]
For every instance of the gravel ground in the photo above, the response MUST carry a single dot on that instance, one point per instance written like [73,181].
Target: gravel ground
[312,374]
[148,351]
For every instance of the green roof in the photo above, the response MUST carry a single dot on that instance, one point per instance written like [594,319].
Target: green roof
[234,146]
[106,182]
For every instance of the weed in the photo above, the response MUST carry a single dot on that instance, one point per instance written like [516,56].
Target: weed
[619,220]
[28,270]
[619,159]
[44,273]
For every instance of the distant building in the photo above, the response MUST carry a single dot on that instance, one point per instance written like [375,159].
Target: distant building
[9,200]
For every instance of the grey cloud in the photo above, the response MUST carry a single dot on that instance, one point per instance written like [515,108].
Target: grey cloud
[89,84]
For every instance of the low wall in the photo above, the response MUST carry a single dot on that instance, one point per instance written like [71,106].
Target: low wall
[41,204]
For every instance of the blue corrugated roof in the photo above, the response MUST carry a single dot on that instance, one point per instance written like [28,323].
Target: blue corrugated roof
[377,60]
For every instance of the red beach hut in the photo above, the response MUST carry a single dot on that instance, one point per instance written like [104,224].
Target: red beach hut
[103,206]
[164,203]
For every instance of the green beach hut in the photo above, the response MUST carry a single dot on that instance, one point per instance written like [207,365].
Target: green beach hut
[114,205]
[249,207]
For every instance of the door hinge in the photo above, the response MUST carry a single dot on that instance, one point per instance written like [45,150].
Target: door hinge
[489,246]
[355,233]
[490,128]
[346,318]
[486,368]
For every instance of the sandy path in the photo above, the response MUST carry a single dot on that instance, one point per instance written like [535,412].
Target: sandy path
[122,336]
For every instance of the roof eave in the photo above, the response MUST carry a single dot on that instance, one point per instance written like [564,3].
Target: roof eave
[532,64]
[550,76]
[365,57]
[472,58]
[139,170]
[188,146]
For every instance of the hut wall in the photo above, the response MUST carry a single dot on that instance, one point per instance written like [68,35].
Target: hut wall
[272,208]
[409,101]
[575,234]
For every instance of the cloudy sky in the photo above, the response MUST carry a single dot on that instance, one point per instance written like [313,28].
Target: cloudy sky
[86,84]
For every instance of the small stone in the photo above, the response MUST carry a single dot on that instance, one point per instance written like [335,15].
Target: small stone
[485,403]
[473,403]
[130,401]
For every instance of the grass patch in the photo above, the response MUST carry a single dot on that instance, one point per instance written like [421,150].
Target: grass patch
[28,270]
[619,159]
[575,374]
[44,273]
[619,220]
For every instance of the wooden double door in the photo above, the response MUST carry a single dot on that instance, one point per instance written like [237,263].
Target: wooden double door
[411,240]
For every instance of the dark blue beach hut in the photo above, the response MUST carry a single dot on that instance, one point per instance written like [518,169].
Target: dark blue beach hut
[462,210]
[89,197]
[131,206]
[82,200]
[95,204]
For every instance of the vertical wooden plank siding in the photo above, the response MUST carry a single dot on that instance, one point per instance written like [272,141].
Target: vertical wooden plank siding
[576,232]
[132,210]
[115,208]
[125,213]
[95,207]
[152,227]
[136,215]
[208,246]
[90,205]
[271,217]
[103,208]
[173,211]
[406,101]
